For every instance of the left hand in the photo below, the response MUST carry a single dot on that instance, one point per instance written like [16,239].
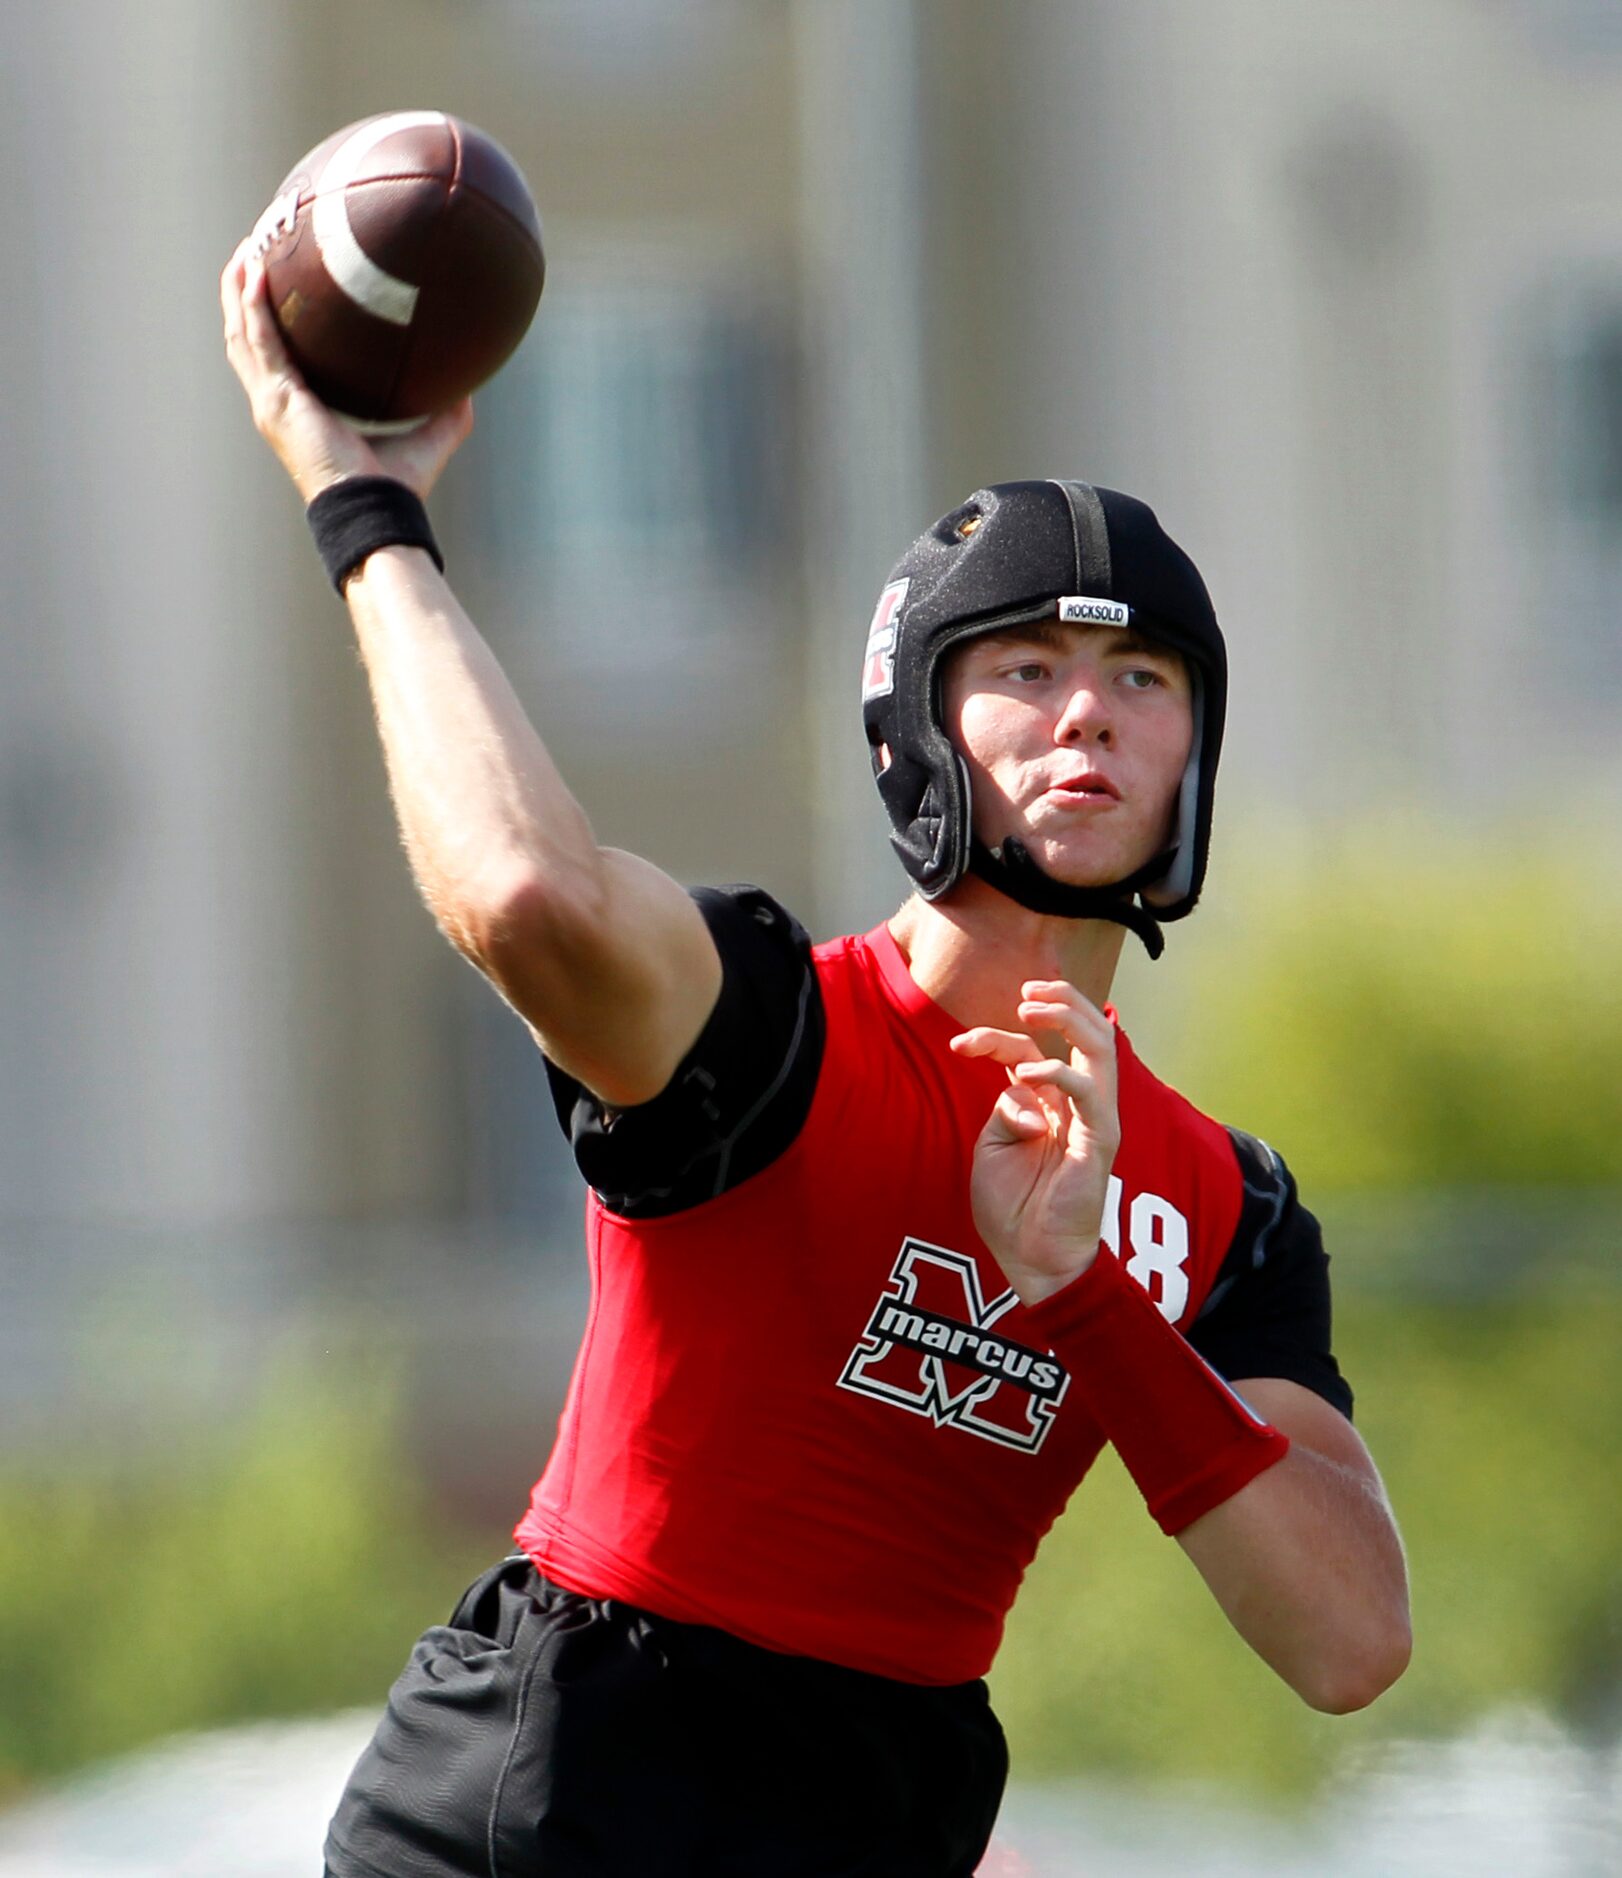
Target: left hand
[1042,1163]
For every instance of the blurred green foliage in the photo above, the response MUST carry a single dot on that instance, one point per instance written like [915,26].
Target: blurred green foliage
[276,1568]
[288,1568]
[1401,1008]
[1498,1429]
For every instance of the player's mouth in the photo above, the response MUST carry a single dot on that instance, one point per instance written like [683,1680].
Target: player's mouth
[1093,788]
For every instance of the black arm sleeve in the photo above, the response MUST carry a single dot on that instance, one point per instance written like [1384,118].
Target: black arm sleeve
[740,1095]
[1268,1312]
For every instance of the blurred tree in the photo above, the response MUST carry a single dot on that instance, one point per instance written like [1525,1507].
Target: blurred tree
[1499,1432]
[275,1569]
[1394,1016]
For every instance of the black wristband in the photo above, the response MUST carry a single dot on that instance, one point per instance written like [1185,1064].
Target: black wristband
[353,518]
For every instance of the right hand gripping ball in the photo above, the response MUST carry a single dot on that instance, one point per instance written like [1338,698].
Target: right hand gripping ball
[404,262]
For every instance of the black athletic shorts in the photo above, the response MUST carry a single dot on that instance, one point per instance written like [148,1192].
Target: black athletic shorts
[541,1734]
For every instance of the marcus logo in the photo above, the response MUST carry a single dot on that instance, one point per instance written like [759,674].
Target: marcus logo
[931,1347]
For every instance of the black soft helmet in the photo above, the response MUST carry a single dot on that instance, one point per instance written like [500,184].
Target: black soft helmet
[1012,554]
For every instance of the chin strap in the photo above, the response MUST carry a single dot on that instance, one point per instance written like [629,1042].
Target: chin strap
[1011,870]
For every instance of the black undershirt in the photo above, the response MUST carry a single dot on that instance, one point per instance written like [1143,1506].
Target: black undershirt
[741,1094]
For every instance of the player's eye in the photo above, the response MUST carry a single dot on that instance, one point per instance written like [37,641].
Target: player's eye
[1028,671]
[1141,678]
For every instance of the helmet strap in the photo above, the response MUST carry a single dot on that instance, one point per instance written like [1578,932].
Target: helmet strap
[1011,871]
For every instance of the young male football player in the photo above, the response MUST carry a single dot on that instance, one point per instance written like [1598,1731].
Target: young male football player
[888,1236]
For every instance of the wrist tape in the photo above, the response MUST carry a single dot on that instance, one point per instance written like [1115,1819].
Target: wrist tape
[355,517]
[1185,1437]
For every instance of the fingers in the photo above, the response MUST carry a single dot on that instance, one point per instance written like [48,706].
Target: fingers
[419,457]
[1061,991]
[231,301]
[259,323]
[1051,1004]
[1046,1005]
[1020,1057]
[312,445]
[253,341]
[1051,1073]
[1043,1090]
[1076,1090]
[1048,1092]
[1017,1116]
[1008,1047]
[446,431]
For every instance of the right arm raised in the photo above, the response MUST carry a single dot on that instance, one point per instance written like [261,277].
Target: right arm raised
[607,959]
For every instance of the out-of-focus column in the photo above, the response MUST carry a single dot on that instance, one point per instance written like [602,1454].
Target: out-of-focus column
[863,234]
[157,1023]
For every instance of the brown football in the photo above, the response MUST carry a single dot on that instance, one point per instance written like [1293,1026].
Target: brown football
[404,263]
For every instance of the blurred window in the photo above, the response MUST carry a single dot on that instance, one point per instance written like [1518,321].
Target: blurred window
[1576,421]
[635,469]
[632,42]
[635,426]
[1586,416]
[1570,30]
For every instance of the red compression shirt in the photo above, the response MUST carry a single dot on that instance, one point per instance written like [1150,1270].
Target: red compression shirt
[809,1411]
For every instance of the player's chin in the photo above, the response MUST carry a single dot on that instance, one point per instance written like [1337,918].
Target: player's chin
[1087,864]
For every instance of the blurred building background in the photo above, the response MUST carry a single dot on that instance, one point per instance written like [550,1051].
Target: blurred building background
[1338,289]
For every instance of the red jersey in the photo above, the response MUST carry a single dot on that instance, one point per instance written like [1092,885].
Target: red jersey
[808,1411]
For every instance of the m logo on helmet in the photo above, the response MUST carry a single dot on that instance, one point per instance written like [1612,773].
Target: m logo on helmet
[878,664]
[1078,609]
[930,1347]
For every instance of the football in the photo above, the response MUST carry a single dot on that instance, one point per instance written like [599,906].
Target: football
[404,263]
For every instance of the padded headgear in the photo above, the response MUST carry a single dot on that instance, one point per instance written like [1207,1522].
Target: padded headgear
[1012,554]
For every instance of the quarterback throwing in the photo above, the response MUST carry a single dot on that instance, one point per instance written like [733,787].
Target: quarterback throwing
[888,1235]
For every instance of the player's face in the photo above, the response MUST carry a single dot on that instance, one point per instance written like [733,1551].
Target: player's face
[1076,739]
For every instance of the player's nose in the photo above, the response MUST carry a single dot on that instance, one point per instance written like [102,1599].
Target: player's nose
[1084,716]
